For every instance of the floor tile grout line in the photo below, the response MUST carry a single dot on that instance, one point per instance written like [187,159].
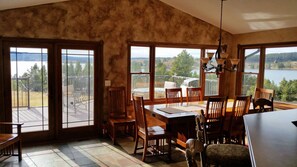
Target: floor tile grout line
[93,157]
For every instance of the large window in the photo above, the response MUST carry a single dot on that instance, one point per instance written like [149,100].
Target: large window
[280,72]
[154,68]
[251,71]
[271,67]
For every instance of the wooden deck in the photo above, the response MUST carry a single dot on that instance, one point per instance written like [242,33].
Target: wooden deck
[36,118]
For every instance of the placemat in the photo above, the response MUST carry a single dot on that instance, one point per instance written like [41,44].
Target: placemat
[180,109]
[171,110]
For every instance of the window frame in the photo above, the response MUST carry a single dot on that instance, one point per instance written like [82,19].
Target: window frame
[262,47]
[152,56]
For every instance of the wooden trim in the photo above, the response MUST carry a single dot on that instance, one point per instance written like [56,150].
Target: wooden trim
[283,105]
[152,72]
[268,45]
[172,45]
[2,97]
[129,98]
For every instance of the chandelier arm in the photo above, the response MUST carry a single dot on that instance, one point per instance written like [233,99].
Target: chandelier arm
[220,52]
[210,68]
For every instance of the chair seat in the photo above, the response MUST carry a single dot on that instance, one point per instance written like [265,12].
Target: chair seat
[114,121]
[7,139]
[156,131]
[228,155]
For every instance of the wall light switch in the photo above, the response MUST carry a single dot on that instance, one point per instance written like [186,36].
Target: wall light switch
[107,82]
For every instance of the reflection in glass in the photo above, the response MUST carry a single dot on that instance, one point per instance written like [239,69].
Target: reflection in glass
[77,88]
[251,70]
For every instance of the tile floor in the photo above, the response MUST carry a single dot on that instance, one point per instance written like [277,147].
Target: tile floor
[90,153]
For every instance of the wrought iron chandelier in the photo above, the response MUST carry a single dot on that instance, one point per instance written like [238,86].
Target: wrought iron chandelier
[220,55]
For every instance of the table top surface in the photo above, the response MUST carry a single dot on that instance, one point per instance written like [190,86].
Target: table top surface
[185,109]
[272,138]
[176,110]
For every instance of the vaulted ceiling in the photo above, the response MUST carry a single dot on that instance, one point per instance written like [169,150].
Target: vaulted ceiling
[239,16]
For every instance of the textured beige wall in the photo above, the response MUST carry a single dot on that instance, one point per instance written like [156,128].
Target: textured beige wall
[273,36]
[113,21]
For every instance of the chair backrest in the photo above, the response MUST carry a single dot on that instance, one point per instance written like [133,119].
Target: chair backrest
[197,145]
[214,116]
[215,108]
[194,94]
[264,93]
[117,102]
[173,95]
[140,117]
[263,105]
[241,107]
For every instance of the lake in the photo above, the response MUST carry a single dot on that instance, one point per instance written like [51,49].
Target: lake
[278,75]
[24,66]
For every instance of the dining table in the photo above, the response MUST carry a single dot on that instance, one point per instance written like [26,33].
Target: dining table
[180,117]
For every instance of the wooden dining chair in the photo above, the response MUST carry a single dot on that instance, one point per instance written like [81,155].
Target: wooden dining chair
[194,94]
[9,141]
[224,155]
[155,133]
[173,95]
[214,115]
[264,93]
[263,105]
[263,100]
[118,116]
[236,131]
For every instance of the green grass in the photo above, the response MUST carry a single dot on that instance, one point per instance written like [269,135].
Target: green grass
[35,99]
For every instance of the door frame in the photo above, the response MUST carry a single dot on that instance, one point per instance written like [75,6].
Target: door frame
[88,131]
[55,131]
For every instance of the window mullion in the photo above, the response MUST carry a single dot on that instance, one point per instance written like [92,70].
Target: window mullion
[261,68]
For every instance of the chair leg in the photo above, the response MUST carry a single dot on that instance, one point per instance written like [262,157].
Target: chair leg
[243,139]
[134,131]
[136,143]
[157,144]
[114,134]
[169,148]
[144,149]
[20,150]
